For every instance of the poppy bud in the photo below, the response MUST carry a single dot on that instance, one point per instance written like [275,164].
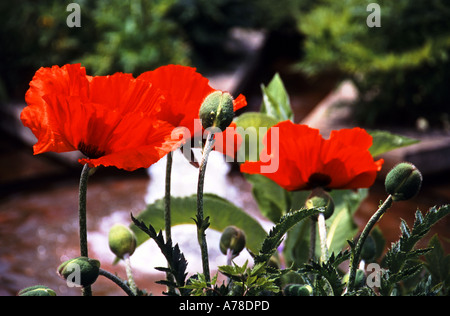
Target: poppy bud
[297,290]
[217,110]
[37,290]
[122,240]
[321,198]
[232,238]
[403,182]
[81,271]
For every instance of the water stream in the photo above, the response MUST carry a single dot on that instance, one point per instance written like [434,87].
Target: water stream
[39,229]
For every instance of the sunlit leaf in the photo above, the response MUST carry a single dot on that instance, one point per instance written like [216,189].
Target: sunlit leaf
[438,263]
[384,141]
[276,100]
[275,237]
[252,126]
[221,212]
[341,226]
[273,200]
[402,252]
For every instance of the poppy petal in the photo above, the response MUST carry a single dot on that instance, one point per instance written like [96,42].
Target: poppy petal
[356,137]
[239,103]
[185,90]
[69,80]
[111,119]
[228,142]
[306,160]
[161,139]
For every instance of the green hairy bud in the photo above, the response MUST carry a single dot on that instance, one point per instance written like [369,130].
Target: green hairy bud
[81,271]
[234,239]
[37,290]
[217,110]
[297,290]
[321,198]
[122,240]
[403,182]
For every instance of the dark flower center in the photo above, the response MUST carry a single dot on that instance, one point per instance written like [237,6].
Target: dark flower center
[318,180]
[90,151]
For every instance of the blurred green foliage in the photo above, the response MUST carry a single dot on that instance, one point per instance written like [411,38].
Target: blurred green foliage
[401,68]
[124,35]
[135,36]
[34,34]
[130,36]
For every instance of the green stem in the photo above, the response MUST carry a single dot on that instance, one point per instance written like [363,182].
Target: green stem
[117,280]
[130,277]
[82,210]
[201,224]
[229,261]
[312,239]
[355,257]
[167,216]
[86,291]
[323,237]
[167,212]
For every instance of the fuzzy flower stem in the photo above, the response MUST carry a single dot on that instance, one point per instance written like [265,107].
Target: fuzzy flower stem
[167,212]
[86,291]
[167,216]
[312,239]
[130,277]
[117,280]
[323,237]
[82,210]
[354,260]
[202,225]
[229,261]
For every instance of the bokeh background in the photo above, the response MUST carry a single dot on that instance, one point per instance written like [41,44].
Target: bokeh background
[339,72]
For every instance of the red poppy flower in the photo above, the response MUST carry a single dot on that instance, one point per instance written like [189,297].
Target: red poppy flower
[301,159]
[185,89]
[111,119]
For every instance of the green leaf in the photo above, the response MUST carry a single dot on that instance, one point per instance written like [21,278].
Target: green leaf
[276,100]
[252,281]
[422,226]
[341,226]
[198,284]
[296,246]
[384,141]
[329,271]
[403,251]
[252,126]
[425,287]
[273,201]
[438,263]
[175,258]
[275,237]
[221,213]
